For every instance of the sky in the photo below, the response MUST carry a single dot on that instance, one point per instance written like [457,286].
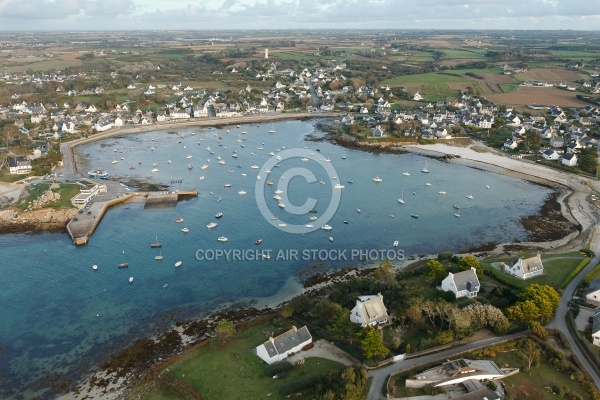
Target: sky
[27,15]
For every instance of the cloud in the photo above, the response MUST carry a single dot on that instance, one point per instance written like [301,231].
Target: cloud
[62,9]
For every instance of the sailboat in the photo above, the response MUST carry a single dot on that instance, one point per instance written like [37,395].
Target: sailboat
[425,168]
[159,256]
[156,243]
[401,199]
[272,128]
[344,156]
[457,213]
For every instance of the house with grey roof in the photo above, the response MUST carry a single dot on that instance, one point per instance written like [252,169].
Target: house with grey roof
[369,310]
[278,348]
[592,295]
[526,268]
[463,284]
[596,327]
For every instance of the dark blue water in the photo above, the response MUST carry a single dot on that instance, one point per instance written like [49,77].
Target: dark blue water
[57,314]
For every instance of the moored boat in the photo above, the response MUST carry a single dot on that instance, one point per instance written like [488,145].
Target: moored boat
[178,264]
[124,265]
[259,241]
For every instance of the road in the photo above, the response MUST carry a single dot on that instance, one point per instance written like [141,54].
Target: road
[379,376]
[559,321]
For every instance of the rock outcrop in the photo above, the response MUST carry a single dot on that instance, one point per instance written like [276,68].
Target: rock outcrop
[46,219]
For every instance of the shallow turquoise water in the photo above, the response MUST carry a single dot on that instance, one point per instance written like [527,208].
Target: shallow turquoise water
[58,315]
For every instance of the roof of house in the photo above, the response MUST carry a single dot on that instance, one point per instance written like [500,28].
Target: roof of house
[372,308]
[532,264]
[570,156]
[466,280]
[593,287]
[596,321]
[286,341]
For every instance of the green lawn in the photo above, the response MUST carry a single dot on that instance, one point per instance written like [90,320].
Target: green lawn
[66,190]
[9,178]
[455,54]
[291,55]
[231,371]
[555,271]
[427,78]
[508,87]
[576,55]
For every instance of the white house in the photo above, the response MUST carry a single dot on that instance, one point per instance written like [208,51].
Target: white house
[369,310]
[378,132]
[592,296]
[526,268]
[464,283]
[570,159]
[19,165]
[596,327]
[455,372]
[551,154]
[417,97]
[278,348]
[88,192]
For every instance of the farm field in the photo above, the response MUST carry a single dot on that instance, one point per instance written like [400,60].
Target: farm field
[453,54]
[554,75]
[525,95]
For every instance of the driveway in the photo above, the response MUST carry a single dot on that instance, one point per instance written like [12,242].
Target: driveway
[324,349]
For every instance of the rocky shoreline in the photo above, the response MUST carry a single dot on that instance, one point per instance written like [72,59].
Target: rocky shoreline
[37,221]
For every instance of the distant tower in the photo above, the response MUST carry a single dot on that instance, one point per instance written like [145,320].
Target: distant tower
[266,54]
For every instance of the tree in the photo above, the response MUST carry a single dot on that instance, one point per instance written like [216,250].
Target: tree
[468,262]
[536,302]
[435,271]
[286,311]
[530,352]
[538,330]
[371,342]
[385,274]
[532,140]
[225,330]
[588,160]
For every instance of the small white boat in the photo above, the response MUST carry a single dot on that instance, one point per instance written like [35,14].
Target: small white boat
[456,206]
[331,238]
[179,220]
[154,169]
[282,225]
[392,216]
[185,230]
[281,205]
[242,192]
[401,199]
[271,153]
[222,239]
[178,264]
[115,161]
[169,161]
[95,267]
[425,168]
[313,218]
[326,227]
[470,197]
[266,256]
[487,186]
[427,184]
[441,192]
[406,174]
[377,179]
[396,243]
[258,177]
[189,156]
[204,167]
[131,279]
[211,225]
[339,186]
[278,191]
[222,162]
[277,197]
[304,159]
[457,215]
[159,257]
[201,178]
[309,225]
[255,167]
[358,210]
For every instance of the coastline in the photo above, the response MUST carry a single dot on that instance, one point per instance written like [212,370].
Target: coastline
[574,206]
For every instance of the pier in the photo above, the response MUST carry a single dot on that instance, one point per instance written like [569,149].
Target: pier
[85,222]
